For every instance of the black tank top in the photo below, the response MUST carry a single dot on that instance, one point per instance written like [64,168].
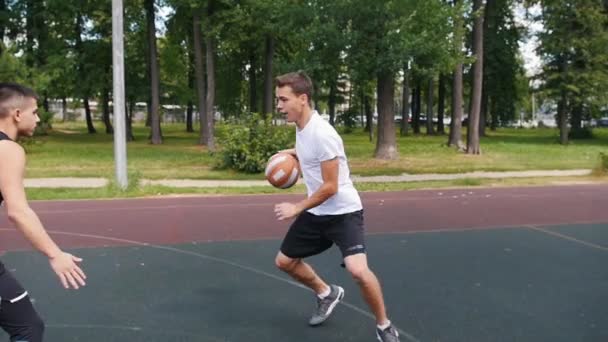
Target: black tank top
[3,137]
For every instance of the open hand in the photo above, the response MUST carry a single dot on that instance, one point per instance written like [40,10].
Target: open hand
[70,275]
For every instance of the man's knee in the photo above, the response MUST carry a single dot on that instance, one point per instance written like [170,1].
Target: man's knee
[359,272]
[285,263]
[357,267]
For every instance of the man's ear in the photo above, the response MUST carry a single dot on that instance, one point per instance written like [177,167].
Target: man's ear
[17,114]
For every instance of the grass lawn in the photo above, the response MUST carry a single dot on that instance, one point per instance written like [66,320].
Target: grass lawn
[69,151]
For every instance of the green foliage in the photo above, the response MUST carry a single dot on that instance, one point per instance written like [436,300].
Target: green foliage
[12,69]
[573,47]
[247,147]
[45,123]
[349,120]
[604,161]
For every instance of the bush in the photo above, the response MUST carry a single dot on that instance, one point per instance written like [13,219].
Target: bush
[581,133]
[349,120]
[603,162]
[247,147]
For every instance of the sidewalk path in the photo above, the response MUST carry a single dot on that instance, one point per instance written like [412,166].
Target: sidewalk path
[195,183]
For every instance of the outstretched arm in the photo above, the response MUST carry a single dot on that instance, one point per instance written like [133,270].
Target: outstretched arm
[19,212]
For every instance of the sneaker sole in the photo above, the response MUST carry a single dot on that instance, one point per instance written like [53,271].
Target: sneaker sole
[332,306]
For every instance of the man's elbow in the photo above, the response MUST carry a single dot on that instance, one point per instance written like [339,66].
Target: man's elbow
[332,189]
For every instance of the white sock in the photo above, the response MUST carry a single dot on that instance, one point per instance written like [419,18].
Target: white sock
[324,293]
[384,326]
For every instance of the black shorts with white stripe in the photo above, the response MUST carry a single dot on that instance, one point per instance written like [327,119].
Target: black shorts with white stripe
[311,234]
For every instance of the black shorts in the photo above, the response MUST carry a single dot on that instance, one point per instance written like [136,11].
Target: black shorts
[311,234]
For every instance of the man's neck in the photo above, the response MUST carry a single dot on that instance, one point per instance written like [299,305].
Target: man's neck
[305,118]
[9,130]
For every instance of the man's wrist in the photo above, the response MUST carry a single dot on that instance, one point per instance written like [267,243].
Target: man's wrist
[54,253]
[300,207]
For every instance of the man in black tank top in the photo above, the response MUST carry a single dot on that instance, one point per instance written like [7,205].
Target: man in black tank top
[18,117]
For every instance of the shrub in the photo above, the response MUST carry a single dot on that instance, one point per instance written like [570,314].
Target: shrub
[247,147]
[581,133]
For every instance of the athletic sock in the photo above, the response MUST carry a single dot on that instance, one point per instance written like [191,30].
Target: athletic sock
[384,326]
[324,293]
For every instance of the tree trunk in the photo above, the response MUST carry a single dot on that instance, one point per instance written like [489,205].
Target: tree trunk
[268,82]
[405,108]
[562,116]
[209,130]
[200,74]
[455,139]
[576,120]
[473,127]
[493,114]
[87,114]
[129,121]
[253,83]
[441,105]
[386,146]
[189,111]
[430,129]
[191,80]
[331,103]
[156,137]
[417,106]
[191,87]
[64,108]
[45,102]
[369,119]
[105,106]
[483,117]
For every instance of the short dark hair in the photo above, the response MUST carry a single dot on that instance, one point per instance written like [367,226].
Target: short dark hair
[299,82]
[13,92]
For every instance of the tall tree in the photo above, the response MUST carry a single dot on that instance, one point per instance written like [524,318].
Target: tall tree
[501,64]
[473,124]
[208,135]
[573,48]
[455,138]
[405,104]
[156,135]
[441,104]
[200,73]
[430,127]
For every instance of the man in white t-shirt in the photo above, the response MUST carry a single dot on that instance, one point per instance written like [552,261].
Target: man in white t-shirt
[331,213]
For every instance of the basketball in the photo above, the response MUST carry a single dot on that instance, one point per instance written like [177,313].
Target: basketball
[282,170]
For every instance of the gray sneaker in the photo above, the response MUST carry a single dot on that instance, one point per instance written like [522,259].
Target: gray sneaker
[326,305]
[389,334]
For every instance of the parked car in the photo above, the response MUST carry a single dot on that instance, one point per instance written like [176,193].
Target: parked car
[603,122]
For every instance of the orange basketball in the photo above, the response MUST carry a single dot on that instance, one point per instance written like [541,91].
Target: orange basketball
[282,170]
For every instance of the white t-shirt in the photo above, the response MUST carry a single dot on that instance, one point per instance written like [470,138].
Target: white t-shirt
[318,141]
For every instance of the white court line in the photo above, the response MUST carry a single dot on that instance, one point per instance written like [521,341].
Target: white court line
[226,262]
[566,237]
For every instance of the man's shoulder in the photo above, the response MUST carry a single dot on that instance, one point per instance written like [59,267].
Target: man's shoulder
[10,150]
[9,145]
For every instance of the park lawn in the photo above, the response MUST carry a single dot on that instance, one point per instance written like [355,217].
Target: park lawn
[68,151]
